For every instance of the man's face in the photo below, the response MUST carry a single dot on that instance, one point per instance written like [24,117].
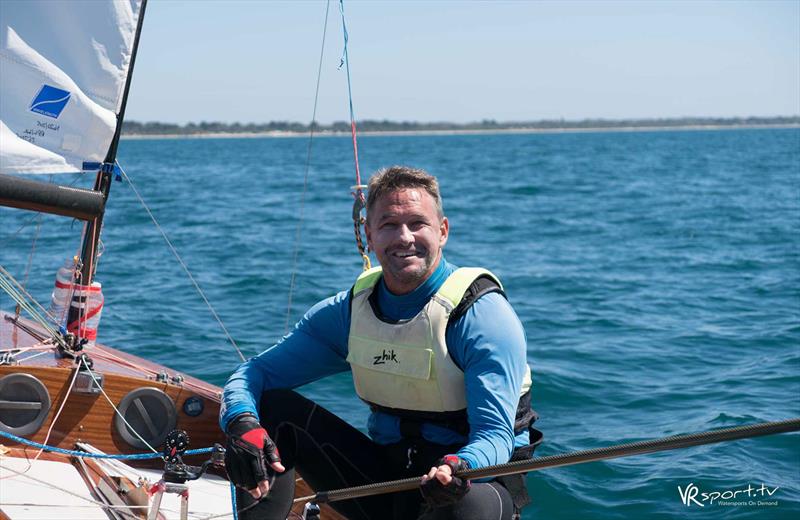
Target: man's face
[404,231]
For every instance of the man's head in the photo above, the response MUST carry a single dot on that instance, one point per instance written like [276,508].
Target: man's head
[406,227]
[403,177]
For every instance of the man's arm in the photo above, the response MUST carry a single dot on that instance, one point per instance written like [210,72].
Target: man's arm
[317,347]
[488,343]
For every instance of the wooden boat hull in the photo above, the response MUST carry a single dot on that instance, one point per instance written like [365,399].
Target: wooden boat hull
[84,417]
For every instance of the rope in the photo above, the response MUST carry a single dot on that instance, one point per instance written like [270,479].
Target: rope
[233,502]
[58,413]
[25,224]
[305,176]
[566,459]
[13,288]
[88,455]
[116,410]
[359,202]
[49,349]
[30,258]
[33,217]
[182,263]
[124,510]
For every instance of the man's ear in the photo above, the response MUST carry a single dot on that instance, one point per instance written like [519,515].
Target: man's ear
[444,229]
[368,232]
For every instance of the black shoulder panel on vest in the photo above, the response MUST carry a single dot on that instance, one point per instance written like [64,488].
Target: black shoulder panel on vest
[483,285]
[350,302]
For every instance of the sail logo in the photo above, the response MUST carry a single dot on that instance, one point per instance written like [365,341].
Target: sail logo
[692,495]
[50,101]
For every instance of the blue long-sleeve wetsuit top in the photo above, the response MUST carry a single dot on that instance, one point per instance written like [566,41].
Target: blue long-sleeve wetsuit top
[487,343]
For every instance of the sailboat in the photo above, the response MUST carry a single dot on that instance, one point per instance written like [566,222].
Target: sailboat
[66,400]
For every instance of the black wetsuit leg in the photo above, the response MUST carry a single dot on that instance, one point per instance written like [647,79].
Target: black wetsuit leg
[485,501]
[331,454]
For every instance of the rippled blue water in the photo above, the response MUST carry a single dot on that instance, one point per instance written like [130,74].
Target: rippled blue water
[657,275]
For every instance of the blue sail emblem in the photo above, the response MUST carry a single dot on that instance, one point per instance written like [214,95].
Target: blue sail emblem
[50,101]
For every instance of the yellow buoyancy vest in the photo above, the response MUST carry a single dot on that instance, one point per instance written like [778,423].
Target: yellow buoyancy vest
[406,365]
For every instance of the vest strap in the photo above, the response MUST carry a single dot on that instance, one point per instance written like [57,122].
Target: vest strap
[411,421]
[479,287]
[456,285]
[367,279]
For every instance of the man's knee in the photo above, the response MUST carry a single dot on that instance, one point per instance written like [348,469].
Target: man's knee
[484,500]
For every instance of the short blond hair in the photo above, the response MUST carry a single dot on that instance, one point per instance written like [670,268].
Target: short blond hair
[393,178]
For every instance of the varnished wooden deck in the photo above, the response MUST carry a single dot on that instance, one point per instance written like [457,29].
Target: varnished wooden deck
[89,417]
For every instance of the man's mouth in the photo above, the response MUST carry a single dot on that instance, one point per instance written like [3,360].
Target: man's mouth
[405,254]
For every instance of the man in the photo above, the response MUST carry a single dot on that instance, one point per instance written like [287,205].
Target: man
[438,354]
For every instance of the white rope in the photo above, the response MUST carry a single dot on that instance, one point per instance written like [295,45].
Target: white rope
[123,469]
[87,506]
[122,509]
[58,413]
[183,264]
[49,350]
[42,345]
[112,465]
[116,411]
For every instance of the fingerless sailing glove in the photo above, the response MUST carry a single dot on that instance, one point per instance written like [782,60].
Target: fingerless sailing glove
[437,494]
[248,452]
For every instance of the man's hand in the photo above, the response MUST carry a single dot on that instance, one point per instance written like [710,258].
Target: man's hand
[249,449]
[439,487]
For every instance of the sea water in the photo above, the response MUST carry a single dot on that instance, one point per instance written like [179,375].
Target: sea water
[657,275]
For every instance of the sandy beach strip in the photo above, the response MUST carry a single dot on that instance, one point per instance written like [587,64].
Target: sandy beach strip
[398,133]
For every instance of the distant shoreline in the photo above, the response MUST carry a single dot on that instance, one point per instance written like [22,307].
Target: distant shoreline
[396,133]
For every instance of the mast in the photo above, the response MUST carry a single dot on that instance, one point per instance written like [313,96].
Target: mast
[102,182]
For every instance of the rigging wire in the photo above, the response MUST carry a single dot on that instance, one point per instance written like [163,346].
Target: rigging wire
[359,201]
[30,259]
[305,176]
[25,224]
[182,263]
[116,411]
[13,288]
[32,218]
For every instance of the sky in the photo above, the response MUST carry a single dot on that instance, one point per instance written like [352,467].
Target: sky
[257,60]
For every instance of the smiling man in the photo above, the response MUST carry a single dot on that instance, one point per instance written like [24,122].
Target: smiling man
[436,352]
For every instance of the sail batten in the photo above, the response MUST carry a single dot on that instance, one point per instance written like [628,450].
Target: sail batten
[63,71]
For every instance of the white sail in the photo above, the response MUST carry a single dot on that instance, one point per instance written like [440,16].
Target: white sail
[63,69]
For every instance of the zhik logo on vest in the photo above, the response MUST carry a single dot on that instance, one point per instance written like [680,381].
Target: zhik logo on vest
[747,496]
[385,356]
[50,101]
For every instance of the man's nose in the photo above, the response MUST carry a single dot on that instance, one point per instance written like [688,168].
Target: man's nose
[405,235]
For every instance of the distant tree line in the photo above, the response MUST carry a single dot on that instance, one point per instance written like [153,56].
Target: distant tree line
[370,125]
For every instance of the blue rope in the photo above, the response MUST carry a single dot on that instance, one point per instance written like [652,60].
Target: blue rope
[233,502]
[84,454]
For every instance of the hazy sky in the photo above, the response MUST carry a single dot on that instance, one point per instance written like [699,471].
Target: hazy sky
[256,61]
